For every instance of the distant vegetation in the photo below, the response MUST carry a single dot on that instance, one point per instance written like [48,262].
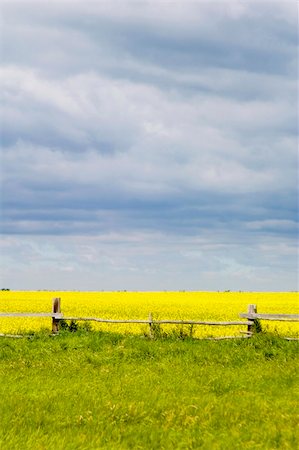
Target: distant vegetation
[204,306]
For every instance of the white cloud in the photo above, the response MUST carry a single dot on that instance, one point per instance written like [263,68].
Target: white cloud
[151,262]
[164,135]
[141,136]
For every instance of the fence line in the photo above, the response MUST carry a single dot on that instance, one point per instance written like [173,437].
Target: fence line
[253,320]
[148,322]
[274,317]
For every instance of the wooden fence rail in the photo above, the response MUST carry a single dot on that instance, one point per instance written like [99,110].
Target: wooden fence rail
[275,317]
[29,314]
[158,322]
[252,317]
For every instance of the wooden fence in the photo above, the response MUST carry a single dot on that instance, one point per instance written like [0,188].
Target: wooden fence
[252,322]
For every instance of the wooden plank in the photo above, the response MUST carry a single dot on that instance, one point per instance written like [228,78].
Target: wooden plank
[223,337]
[192,322]
[177,322]
[97,319]
[278,317]
[29,314]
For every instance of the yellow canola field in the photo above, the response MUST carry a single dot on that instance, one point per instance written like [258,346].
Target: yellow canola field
[210,306]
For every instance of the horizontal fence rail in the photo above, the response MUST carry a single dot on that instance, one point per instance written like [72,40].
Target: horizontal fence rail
[148,322]
[30,314]
[275,317]
[252,317]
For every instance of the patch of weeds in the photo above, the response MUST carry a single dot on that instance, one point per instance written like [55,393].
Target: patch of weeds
[182,332]
[157,331]
[74,326]
[257,326]
[86,326]
[63,325]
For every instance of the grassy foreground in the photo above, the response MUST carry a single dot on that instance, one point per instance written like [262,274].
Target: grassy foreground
[106,391]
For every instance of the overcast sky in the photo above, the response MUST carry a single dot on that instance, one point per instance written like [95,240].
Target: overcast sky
[149,145]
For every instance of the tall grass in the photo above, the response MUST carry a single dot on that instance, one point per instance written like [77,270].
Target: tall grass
[91,390]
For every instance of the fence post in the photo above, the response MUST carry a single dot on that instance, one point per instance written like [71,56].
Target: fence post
[150,319]
[251,310]
[55,309]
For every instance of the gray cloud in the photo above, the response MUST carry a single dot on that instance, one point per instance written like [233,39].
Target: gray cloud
[145,261]
[162,136]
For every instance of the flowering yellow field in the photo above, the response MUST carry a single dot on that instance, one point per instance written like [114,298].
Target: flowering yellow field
[216,306]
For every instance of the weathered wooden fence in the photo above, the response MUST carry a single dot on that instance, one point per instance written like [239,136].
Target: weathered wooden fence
[252,322]
[254,318]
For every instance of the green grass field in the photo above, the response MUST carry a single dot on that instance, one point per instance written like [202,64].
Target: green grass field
[105,391]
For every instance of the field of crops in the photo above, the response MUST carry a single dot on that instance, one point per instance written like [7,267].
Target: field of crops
[216,306]
[119,390]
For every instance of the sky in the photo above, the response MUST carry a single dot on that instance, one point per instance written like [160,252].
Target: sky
[149,145]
